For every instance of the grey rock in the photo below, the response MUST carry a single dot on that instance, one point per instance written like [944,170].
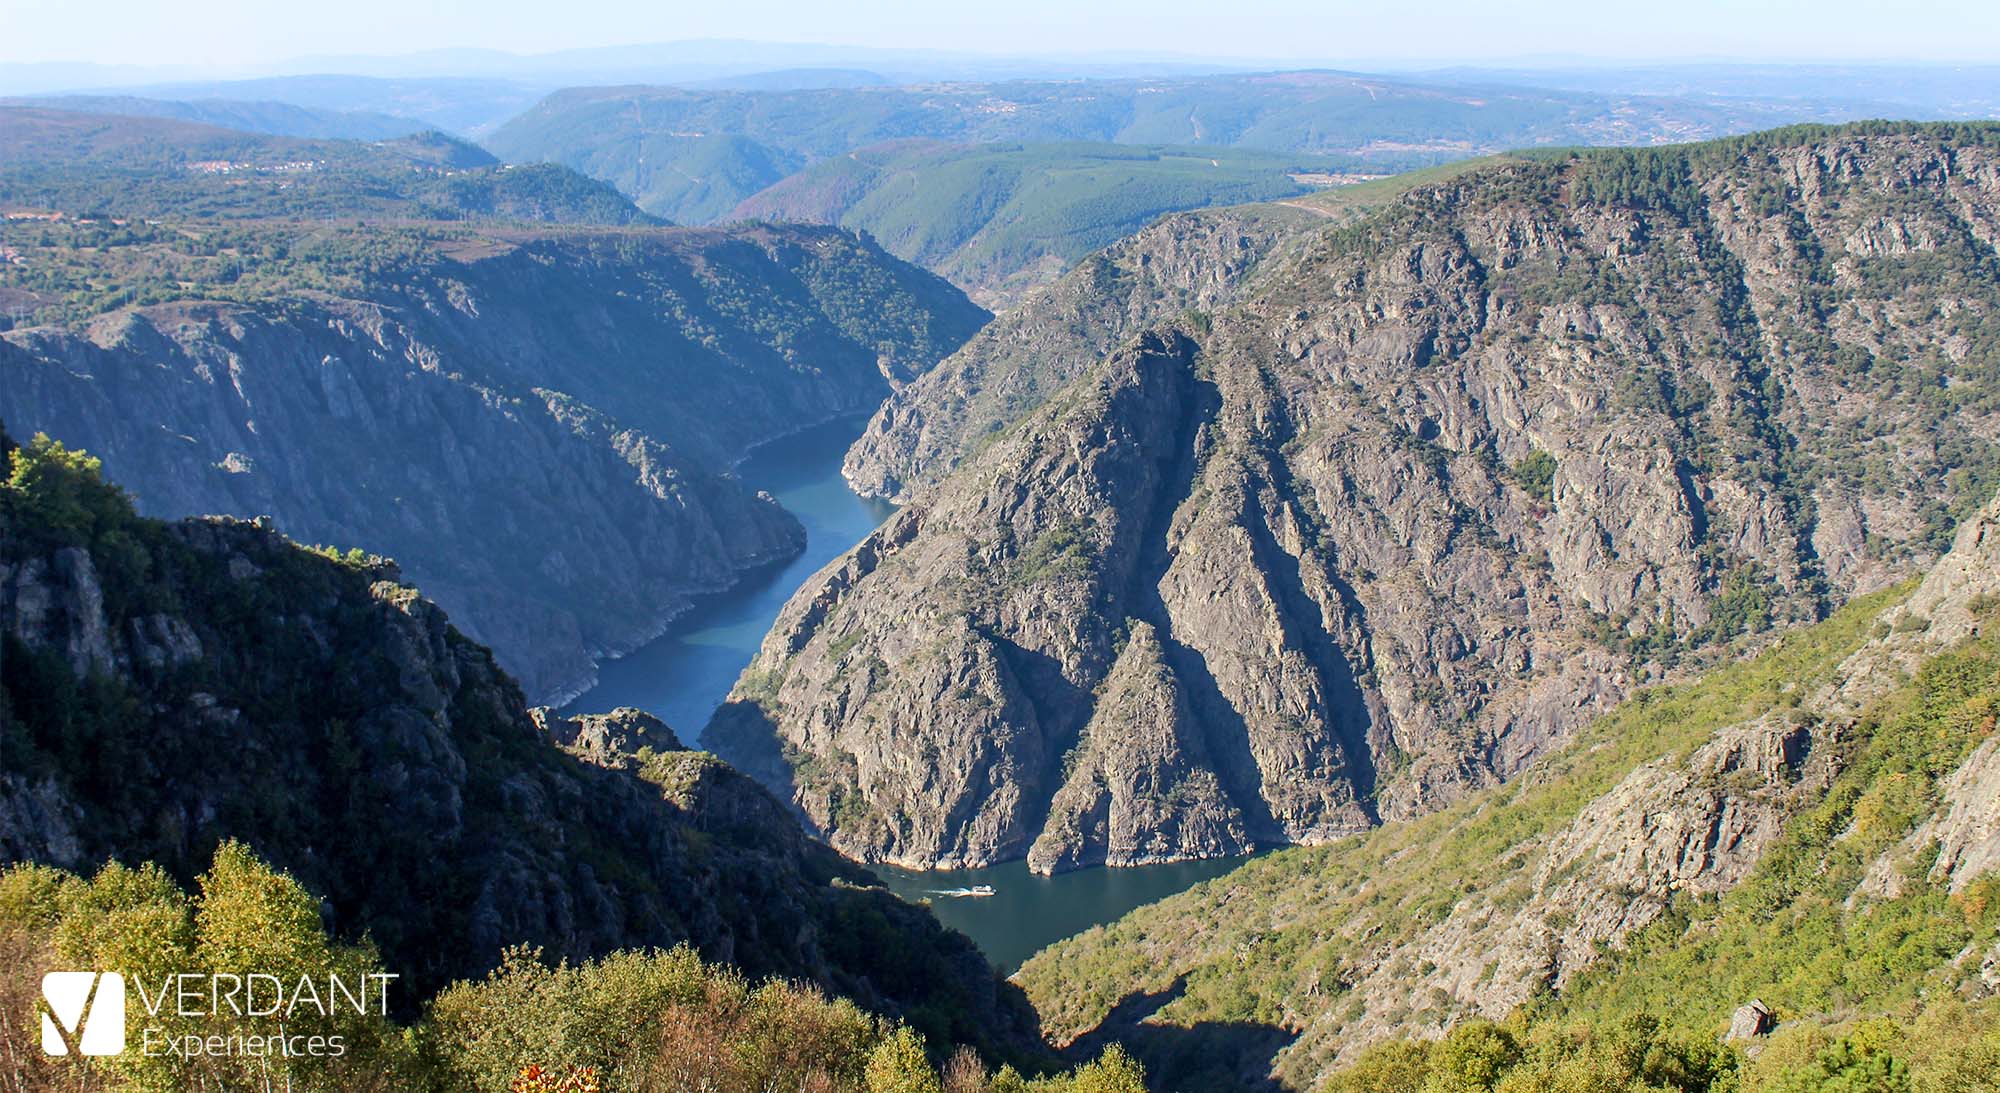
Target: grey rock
[609,740]
[552,465]
[1309,497]
[1751,1020]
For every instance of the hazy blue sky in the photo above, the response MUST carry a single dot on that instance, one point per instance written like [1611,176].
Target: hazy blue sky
[261,31]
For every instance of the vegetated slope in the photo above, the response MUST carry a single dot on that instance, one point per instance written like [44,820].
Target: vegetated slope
[170,686]
[1812,829]
[537,424]
[1191,261]
[278,118]
[108,165]
[1002,219]
[1451,482]
[689,154]
[641,1019]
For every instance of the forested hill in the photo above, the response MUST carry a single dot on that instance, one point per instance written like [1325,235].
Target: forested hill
[693,154]
[173,685]
[1004,219]
[112,165]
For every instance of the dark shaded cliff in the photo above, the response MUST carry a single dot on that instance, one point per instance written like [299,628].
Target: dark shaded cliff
[169,686]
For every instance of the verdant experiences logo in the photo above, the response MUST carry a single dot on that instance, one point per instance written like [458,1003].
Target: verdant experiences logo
[83,1013]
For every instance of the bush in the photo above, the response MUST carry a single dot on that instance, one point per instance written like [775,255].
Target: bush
[1536,475]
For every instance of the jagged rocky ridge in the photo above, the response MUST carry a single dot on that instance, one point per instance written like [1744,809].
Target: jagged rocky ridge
[936,421]
[1563,889]
[168,686]
[537,426]
[1187,262]
[1443,486]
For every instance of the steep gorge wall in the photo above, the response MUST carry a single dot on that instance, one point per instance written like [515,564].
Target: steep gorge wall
[539,433]
[1443,486]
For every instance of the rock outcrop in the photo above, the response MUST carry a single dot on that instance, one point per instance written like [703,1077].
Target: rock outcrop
[1751,1020]
[1140,785]
[1439,488]
[540,432]
[1185,261]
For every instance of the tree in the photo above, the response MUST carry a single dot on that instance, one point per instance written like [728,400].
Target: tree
[898,1065]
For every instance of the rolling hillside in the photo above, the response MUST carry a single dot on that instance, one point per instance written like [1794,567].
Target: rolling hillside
[1002,219]
[276,118]
[109,165]
[688,154]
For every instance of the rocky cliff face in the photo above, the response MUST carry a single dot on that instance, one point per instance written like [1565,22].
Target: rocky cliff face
[1446,484]
[1671,807]
[170,686]
[539,429]
[1189,260]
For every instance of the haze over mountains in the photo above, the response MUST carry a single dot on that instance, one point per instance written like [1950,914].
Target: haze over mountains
[711,132]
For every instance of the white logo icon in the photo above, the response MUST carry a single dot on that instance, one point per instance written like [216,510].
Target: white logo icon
[87,1005]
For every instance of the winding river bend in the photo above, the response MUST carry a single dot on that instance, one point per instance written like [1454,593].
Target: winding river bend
[683,676]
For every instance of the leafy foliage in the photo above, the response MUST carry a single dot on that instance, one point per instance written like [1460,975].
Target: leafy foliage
[1536,475]
[631,1021]
[244,918]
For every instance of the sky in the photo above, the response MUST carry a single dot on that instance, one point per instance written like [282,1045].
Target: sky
[264,32]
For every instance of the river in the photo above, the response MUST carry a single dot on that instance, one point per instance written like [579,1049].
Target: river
[1026,913]
[683,675]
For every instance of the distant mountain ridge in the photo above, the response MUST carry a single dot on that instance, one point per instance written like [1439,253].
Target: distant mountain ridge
[277,118]
[663,145]
[85,163]
[1003,219]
